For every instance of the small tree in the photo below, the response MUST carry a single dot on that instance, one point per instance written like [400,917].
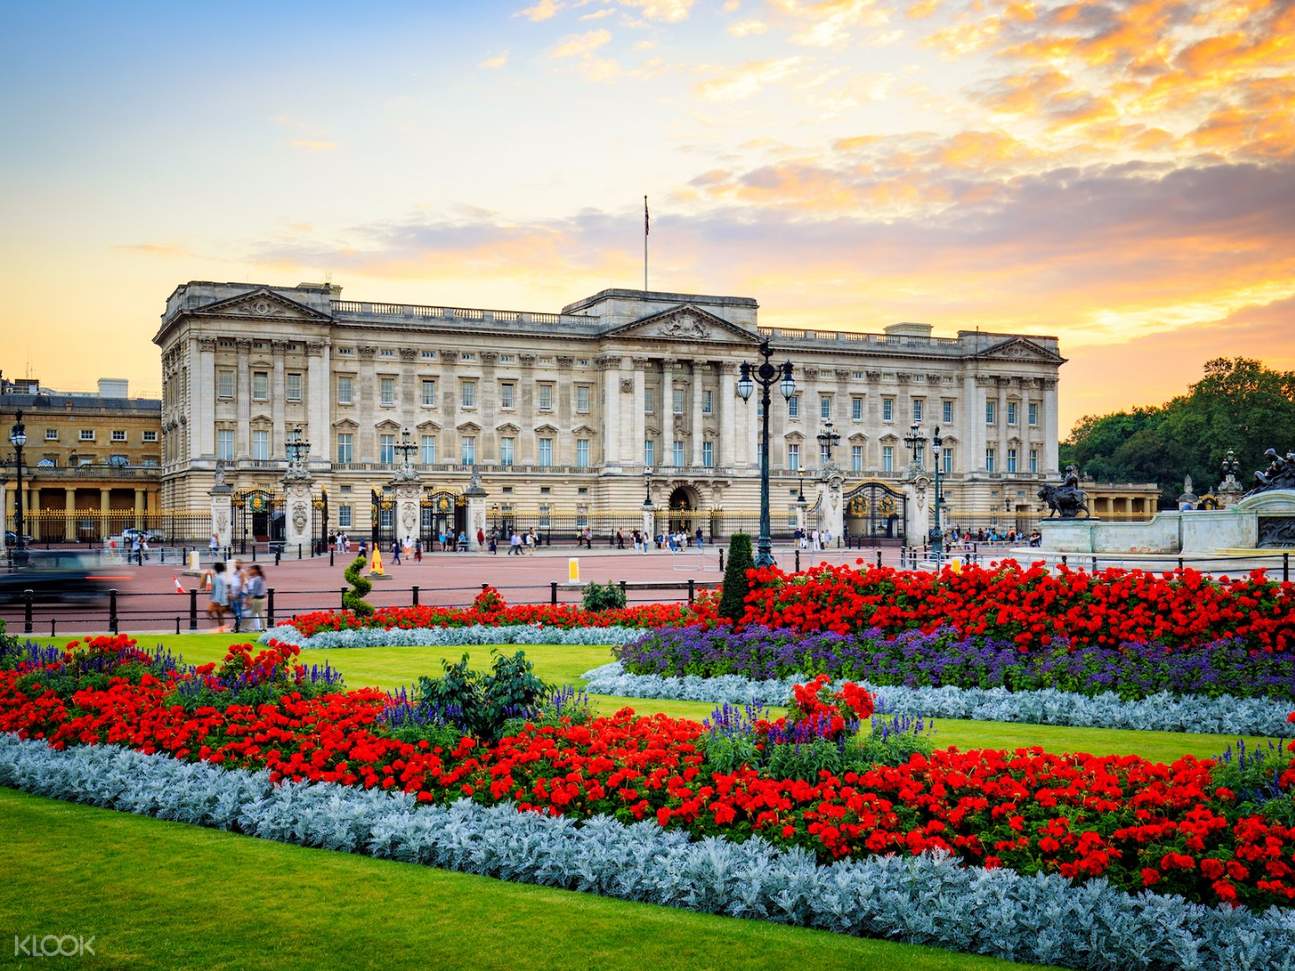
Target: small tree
[603,596]
[736,586]
[353,599]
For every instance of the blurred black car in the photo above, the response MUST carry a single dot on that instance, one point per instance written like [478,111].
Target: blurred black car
[60,576]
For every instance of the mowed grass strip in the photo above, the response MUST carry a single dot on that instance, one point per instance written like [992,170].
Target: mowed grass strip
[391,667]
[166,895]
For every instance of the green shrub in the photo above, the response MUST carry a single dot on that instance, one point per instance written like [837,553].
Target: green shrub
[732,602]
[604,596]
[482,704]
[353,600]
[728,753]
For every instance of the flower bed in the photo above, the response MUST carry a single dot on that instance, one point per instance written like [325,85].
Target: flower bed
[1159,712]
[941,657]
[455,636]
[929,899]
[1031,608]
[1206,832]
[489,609]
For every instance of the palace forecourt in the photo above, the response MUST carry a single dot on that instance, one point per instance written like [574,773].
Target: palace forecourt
[562,413]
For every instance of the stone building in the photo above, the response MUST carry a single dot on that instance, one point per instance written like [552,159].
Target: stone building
[562,413]
[92,464]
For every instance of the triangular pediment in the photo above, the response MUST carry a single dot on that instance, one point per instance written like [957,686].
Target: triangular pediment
[1021,349]
[262,303]
[685,322]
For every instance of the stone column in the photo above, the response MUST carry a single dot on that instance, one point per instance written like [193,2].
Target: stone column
[476,496]
[318,398]
[4,513]
[1051,463]
[728,403]
[639,417]
[105,509]
[204,398]
[698,431]
[1000,463]
[649,523]
[611,417]
[140,502]
[69,514]
[243,401]
[408,493]
[667,414]
[278,394]
[222,520]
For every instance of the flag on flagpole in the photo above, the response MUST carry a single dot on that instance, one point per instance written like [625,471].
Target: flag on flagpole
[645,217]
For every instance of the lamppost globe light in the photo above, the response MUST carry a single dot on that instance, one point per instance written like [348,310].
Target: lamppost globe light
[744,383]
[18,437]
[788,383]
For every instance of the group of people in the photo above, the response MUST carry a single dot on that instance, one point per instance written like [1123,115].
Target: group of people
[813,539]
[239,591]
[967,537]
[518,543]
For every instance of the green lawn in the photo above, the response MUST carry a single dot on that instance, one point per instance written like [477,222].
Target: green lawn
[390,667]
[158,894]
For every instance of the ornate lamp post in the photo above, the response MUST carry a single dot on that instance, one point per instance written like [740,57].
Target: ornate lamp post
[296,447]
[647,489]
[827,441]
[915,440]
[937,531]
[18,438]
[405,448]
[766,375]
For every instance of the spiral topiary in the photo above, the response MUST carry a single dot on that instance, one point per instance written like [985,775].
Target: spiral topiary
[353,600]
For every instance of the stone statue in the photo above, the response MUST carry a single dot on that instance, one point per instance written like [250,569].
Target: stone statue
[1188,499]
[1280,473]
[1067,500]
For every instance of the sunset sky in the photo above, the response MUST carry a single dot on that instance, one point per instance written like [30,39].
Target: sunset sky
[1119,174]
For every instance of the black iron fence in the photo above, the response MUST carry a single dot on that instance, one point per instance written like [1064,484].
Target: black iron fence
[92,527]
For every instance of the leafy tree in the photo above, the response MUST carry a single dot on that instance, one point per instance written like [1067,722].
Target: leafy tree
[1238,404]
[740,559]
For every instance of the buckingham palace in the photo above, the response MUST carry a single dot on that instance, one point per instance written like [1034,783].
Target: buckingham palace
[570,419]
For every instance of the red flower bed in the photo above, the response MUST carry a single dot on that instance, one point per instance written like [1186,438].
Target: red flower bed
[490,609]
[1135,822]
[1031,606]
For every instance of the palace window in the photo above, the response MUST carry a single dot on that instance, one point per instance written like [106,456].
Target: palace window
[387,391]
[856,458]
[1033,412]
[708,402]
[507,394]
[582,452]
[292,390]
[429,392]
[677,400]
[427,449]
[51,435]
[118,435]
[545,516]
[918,408]
[427,355]
[345,389]
[225,444]
[793,406]
[1011,460]
[887,409]
[793,457]
[224,384]
[344,516]
[649,453]
[546,452]
[468,449]
[991,412]
[856,409]
[506,358]
[948,461]
[679,462]
[148,436]
[87,434]
[506,447]
[948,412]
[989,460]
[260,444]
[1011,412]
[708,454]
[888,459]
[1034,460]
[825,406]
[468,394]
[582,398]
[345,448]
[546,397]
[387,352]
[387,449]
[649,397]
[260,385]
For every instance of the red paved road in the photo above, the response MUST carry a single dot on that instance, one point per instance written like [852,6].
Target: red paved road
[147,600]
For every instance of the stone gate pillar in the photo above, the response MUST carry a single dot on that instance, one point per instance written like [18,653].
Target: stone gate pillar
[297,499]
[222,519]
[920,496]
[476,496]
[831,502]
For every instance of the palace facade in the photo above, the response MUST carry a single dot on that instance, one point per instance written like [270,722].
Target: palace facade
[562,413]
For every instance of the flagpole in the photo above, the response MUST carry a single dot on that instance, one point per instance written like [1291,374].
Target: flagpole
[645,243]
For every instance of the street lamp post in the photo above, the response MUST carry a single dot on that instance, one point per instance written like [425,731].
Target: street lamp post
[937,531]
[647,489]
[766,374]
[827,441]
[18,438]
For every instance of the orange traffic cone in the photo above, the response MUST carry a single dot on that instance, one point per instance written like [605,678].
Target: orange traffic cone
[179,587]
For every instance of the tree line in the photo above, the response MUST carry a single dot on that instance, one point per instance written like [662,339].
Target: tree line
[1238,404]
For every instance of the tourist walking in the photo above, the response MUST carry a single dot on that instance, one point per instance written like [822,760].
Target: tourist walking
[395,551]
[256,597]
[234,584]
[218,598]
[515,545]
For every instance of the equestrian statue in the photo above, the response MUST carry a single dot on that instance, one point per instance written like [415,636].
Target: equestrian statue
[1067,500]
